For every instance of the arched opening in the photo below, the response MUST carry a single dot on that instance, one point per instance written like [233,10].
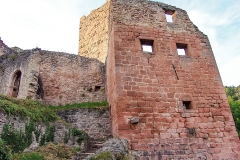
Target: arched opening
[16,83]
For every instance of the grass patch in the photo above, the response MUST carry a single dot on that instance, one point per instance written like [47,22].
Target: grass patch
[102,156]
[48,152]
[27,108]
[56,151]
[28,156]
[41,113]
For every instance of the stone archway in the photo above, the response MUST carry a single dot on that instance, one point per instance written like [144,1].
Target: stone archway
[16,83]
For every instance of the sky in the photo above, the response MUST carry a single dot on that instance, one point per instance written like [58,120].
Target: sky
[54,25]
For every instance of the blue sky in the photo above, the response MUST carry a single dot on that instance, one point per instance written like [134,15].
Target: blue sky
[54,25]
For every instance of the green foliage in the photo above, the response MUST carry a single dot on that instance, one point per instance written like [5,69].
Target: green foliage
[16,140]
[235,108]
[102,156]
[43,140]
[49,135]
[30,156]
[50,131]
[233,94]
[53,151]
[4,151]
[27,108]
[81,135]
[38,112]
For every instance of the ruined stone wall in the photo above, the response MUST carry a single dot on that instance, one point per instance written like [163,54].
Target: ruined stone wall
[155,86]
[68,78]
[51,77]
[93,39]
[94,122]
[3,48]
[26,63]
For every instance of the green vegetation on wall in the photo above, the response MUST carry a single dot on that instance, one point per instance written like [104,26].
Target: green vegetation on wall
[233,94]
[40,113]
[15,141]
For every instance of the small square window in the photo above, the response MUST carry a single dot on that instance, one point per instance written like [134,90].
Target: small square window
[147,48]
[187,105]
[147,45]
[97,88]
[169,16]
[182,49]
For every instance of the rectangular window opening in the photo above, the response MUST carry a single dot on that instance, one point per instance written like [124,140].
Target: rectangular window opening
[169,16]
[147,45]
[187,105]
[97,88]
[182,49]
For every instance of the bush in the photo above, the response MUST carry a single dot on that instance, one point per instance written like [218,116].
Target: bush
[82,136]
[30,156]
[4,151]
[235,108]
[15,139]
[102,156]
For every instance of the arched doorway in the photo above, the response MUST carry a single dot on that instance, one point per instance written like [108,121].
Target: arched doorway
[16,83]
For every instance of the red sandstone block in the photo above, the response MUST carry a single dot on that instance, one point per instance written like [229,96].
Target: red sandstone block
[134,110]
[165,135]
[146,110]
[141,136]
[218,124]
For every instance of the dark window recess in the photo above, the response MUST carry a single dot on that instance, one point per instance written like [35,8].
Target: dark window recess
[147,45]
[169,16]
[187,105]
[97,88]
[16,83]
[182,49]
[40,91]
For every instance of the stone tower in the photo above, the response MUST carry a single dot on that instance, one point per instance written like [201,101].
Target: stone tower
[163,85]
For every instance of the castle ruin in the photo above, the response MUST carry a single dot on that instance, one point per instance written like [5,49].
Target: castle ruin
[161,79]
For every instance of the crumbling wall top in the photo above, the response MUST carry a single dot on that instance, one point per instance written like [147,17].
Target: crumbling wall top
[152,14]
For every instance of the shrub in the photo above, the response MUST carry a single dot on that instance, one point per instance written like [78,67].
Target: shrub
[82,136]
[30,156]
[15,139]
[102,156]
[4,151]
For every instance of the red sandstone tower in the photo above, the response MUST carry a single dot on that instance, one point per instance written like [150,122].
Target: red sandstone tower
[163,85]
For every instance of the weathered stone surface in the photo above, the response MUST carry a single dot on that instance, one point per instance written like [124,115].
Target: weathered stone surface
[179,99]
[95,122]
[54,78]
[115,146]
[93,39]
[68,78]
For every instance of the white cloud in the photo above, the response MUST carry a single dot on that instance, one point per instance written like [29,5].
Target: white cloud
[50,25]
